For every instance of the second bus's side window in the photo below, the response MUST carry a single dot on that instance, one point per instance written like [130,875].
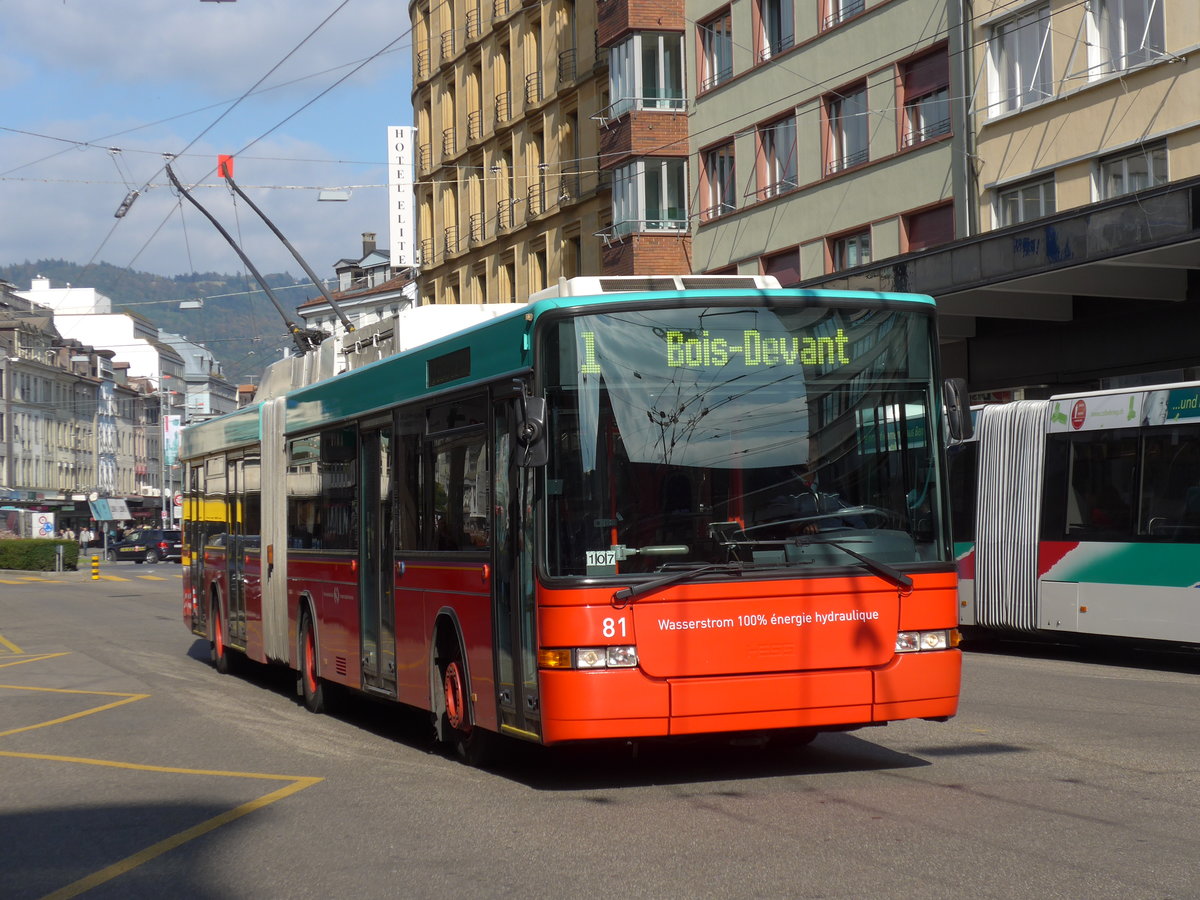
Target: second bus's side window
[1090,486]
[1171,484]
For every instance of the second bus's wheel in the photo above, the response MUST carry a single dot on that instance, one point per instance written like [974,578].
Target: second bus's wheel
[218,650]
[311,686]
[474,746]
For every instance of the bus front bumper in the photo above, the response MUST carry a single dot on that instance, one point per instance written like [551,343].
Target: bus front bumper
[626,703]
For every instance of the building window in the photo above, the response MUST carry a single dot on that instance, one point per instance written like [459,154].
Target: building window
[847,114]
[838,11]
[776,31]
[929,227]
[1132,171]
[716,50]
[926,86]
[1025,202]
[1128,32]
[646,72]
[1019,53]
[851,250]
[650,195]
[776,158]
[719,182]
[784,266]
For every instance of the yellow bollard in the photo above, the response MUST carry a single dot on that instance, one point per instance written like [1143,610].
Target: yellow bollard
[95,568]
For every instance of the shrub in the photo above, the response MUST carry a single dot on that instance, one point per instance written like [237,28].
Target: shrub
[37,554]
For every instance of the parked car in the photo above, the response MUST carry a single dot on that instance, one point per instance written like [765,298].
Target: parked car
[148,545]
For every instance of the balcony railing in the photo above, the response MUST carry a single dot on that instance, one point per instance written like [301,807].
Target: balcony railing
[843,11]
[475,125]
[776,46]
[447,44]
[426,252]
[533,88]
[569,188]
[500,8]
[918,135]
[474,18]
[503,107]
[476,231]
[423,66]
[506,217]
[449,141]
[451,240]
[425,157]
[536,198]
[566,68]
[848,161]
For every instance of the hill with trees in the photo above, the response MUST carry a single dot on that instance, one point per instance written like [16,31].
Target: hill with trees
[237,321]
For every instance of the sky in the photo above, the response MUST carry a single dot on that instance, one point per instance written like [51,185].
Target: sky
[93,93]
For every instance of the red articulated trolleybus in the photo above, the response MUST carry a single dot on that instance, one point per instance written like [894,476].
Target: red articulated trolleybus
[630,509]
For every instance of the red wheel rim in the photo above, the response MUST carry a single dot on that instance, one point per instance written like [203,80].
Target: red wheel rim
[455,706]
[310,658]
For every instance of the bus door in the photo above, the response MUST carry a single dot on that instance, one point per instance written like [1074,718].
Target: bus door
[235,555]
[513,618]
[376,552]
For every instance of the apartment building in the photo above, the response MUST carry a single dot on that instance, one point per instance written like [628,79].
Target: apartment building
[1079,103]
[826,135]
[509,193]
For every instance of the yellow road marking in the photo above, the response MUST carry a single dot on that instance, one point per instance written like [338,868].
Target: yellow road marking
[35,578]
[113,578]
[33,658]
[298,783]
[151,578]
[9,645]
[125,698]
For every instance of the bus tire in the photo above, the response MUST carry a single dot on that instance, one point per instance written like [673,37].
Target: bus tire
[471,744]
[311,686]
[218,649]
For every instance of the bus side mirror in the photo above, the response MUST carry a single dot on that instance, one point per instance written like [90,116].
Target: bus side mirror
[958,410]
[532,447]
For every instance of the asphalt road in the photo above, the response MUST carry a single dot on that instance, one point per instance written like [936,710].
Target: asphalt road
[129,768]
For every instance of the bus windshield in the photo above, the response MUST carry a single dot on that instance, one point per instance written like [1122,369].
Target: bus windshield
[771,434]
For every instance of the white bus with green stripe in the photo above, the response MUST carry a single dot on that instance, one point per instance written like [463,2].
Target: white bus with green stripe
[1081,515]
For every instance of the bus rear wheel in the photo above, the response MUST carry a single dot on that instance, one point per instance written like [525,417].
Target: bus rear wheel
[311,686]
[218,650]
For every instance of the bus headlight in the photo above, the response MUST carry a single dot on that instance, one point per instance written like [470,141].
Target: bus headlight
[623,657]
[916,641]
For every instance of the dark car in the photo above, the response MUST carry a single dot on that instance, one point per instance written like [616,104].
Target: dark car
[148,545]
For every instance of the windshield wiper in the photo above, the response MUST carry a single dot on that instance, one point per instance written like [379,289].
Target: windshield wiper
[629,594]
[882,569]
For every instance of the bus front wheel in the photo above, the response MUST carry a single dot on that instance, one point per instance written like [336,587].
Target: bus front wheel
[473,745]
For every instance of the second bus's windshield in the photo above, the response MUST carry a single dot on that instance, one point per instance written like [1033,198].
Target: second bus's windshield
[740,433]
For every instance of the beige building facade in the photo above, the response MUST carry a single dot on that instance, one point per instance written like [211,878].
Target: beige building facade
[509,192]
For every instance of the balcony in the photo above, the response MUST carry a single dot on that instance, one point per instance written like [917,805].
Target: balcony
[475,125]
[426,252]
[425,157]
[569,185]
[474,28]
[451,240]
[447,44]
[535,199]
[533,88]
[423,65]
[501,8]
[449,142]
[476,231]
[503,107]
[506,217]
[566,68]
